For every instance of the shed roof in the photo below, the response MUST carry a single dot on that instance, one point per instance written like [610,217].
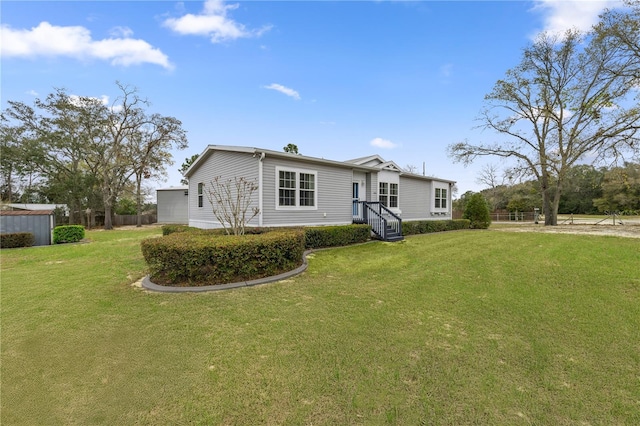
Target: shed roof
[173,188]
[26,212]
[34,206]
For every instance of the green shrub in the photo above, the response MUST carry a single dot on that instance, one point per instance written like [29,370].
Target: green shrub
[335,236]
[188,256]
[68,234]
[455,224]
[171,229]
[428,226]
[477,211]
[17,239]
[197,259]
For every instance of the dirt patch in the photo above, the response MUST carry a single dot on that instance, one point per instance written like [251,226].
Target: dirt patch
[627,231]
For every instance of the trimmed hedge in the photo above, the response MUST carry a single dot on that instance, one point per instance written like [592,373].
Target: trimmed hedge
[171,229]
[335,236]
[427,226]
[196,259]
[17,239]
[315,237]
[68,234]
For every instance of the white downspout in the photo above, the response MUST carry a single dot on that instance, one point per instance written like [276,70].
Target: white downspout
[260,181]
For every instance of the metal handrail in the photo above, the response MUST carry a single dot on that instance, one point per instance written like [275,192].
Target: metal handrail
[375,214]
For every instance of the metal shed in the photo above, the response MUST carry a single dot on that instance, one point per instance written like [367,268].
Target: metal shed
[173,205]
[39,222]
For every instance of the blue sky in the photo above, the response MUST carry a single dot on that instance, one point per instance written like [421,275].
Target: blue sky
[341,80]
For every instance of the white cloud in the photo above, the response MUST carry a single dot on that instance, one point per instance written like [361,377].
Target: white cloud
[32,92]
[121,32]
[213,22]
[562,15]
[446,70]
[76,42]
[382,143]
[282,89]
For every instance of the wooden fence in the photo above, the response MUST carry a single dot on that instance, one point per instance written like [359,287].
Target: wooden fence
[131,219]
[505,216]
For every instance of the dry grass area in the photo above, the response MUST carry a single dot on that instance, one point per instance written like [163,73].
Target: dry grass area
[630,230]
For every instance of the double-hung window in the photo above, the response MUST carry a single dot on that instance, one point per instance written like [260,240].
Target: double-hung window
[307,190]
[286,188]
[383,194]
[388,194]
[296,189]
[441,198]
[200,194]
[393,195]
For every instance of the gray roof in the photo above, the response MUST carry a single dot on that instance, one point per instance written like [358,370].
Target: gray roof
[25,212]
[351,164]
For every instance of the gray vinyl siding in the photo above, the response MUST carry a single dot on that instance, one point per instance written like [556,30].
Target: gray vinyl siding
[173,205]
[40,225]
[372,187]
[415,198]
[227,165]
[334,195]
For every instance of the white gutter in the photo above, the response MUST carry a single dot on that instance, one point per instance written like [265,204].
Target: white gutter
[260,193]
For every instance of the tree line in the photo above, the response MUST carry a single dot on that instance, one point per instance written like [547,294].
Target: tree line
[85,153]
[572,99]
[587,190]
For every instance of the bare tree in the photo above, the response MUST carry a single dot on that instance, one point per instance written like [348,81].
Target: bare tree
[137,146]
[623,25]
[411,168]
[150,146]
[567,100]
[490,176]
[231,202]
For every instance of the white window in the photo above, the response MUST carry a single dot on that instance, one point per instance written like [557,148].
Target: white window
[441,198]
[286,188]
[383,194]
[393,195]
[388,194]
[297,189]
[307,189]
[201,194]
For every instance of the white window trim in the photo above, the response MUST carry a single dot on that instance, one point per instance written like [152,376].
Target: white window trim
[297,172]
[397,207]
[388,195]
[200,196]
[446,198]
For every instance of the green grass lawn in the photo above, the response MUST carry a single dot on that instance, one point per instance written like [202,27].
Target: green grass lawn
[466,327]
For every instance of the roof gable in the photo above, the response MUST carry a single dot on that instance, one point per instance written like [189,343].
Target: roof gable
[391,166]
[370,160]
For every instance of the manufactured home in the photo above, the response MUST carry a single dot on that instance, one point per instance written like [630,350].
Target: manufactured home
[297,190]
